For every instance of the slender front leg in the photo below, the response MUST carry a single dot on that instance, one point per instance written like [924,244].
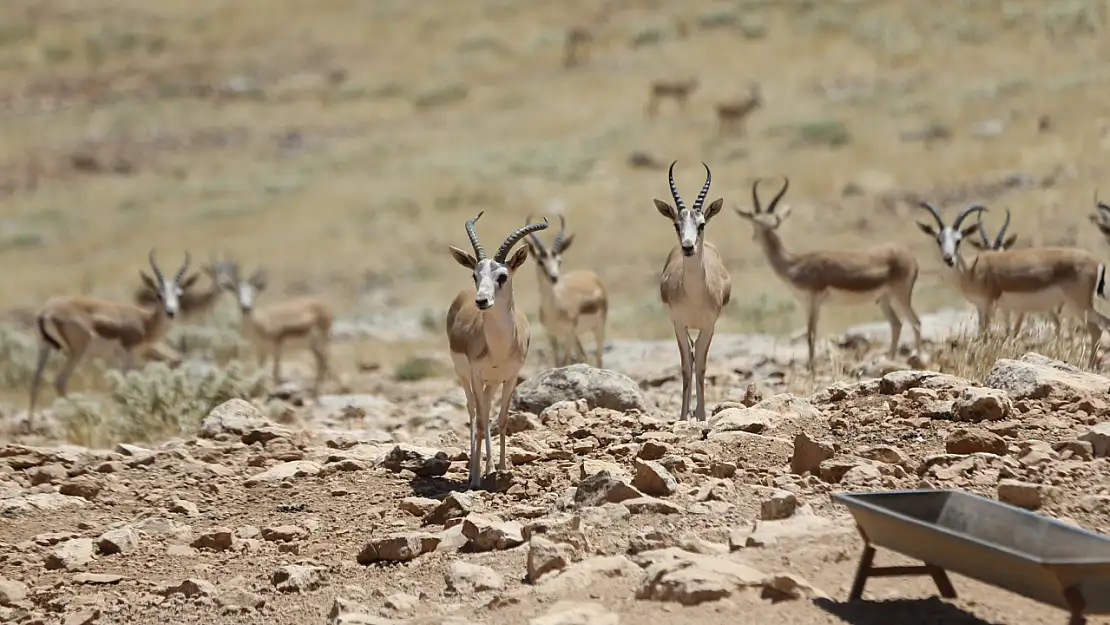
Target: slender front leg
[473,405]
[507,389]
[683,337]
[486,407]
[277,361]
[555,350]
[812,316]
[581,351]
[986,311]
[599,338]
[701,356]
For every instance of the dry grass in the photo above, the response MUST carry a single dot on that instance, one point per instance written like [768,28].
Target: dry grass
[972,358]
[342,145]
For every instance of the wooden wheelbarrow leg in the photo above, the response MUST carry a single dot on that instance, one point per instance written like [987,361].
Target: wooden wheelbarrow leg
[867,569]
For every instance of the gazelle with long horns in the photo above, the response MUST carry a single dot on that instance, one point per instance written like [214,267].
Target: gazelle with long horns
[1039,279]
[196,302]
[884,274]
[304,320]
[571,303]
[694,287]
[70,324]
[488,338]
[1001,243]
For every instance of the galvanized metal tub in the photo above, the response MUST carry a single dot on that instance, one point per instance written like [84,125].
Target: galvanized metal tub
[993,542]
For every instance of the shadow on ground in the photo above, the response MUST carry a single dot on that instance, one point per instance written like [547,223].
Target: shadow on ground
[931,611]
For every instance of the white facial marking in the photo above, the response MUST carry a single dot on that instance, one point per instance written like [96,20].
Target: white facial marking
[489,277]
[689,224]
[245,293]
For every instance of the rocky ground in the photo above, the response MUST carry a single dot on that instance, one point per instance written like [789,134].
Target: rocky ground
[354,510]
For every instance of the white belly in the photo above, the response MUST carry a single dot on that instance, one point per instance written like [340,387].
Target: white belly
[485,369]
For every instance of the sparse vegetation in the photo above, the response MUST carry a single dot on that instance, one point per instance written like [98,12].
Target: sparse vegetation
[156,402]
[418,368]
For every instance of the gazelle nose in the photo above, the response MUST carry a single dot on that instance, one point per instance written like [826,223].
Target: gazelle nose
[482,303]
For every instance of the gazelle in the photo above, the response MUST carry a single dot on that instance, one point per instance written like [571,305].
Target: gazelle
[678,90]
[1038,279]
[570,304]
[883,274]
[197,302]
[70,324]
[488,338]
[732,114]
[270,329]
[999,244]
[694,287]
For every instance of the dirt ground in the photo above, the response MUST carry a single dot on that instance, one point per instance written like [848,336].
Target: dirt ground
[342,145]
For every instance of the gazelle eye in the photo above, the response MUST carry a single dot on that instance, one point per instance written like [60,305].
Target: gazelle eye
[501,279]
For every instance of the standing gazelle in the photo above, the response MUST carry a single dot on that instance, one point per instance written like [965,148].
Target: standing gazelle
[884,274]
[196,302]
[571,303]
[488,338]
[70,324]
[270,329]
[694,286]
[1038,279]
[1002,243]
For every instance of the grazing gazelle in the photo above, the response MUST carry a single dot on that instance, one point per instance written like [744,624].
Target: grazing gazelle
[1001,243]
[677,89]
[731,114]
[197,302]
[571,303]
[71,323]
[882,274]
[304,320]
[1039,279]
[488,338]
[694,286]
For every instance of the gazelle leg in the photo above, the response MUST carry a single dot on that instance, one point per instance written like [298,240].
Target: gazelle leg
[555,353]
[503,420]
[985,313]
[1095,331]
[1018,322]
[599,340]
[76,353]
[485,407]
[36,382]
[895,325]
[682,335]
[320,354]
[812,316]
[903,305]
[701,355]
[580,350]
[277,361]
[475,441]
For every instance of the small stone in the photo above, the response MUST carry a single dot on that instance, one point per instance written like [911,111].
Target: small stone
[778,505]
[215,539]
[120,540]
[297,578]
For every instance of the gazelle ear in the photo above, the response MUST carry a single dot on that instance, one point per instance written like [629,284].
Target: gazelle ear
[189,281]
[148,281]
[466,259]
[969,231]
[518,259]
[665,209]
[927,229]
[711,211]
[977,244]
[1009,242]
[565,243]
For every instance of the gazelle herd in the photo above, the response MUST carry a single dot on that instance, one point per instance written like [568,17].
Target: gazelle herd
[489,337]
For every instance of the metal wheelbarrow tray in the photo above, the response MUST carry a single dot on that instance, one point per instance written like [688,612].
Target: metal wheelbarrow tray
[993,542]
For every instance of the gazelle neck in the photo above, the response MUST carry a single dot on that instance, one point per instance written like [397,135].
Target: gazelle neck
[777,255]
[499,322]
[155,322]
[547,287]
